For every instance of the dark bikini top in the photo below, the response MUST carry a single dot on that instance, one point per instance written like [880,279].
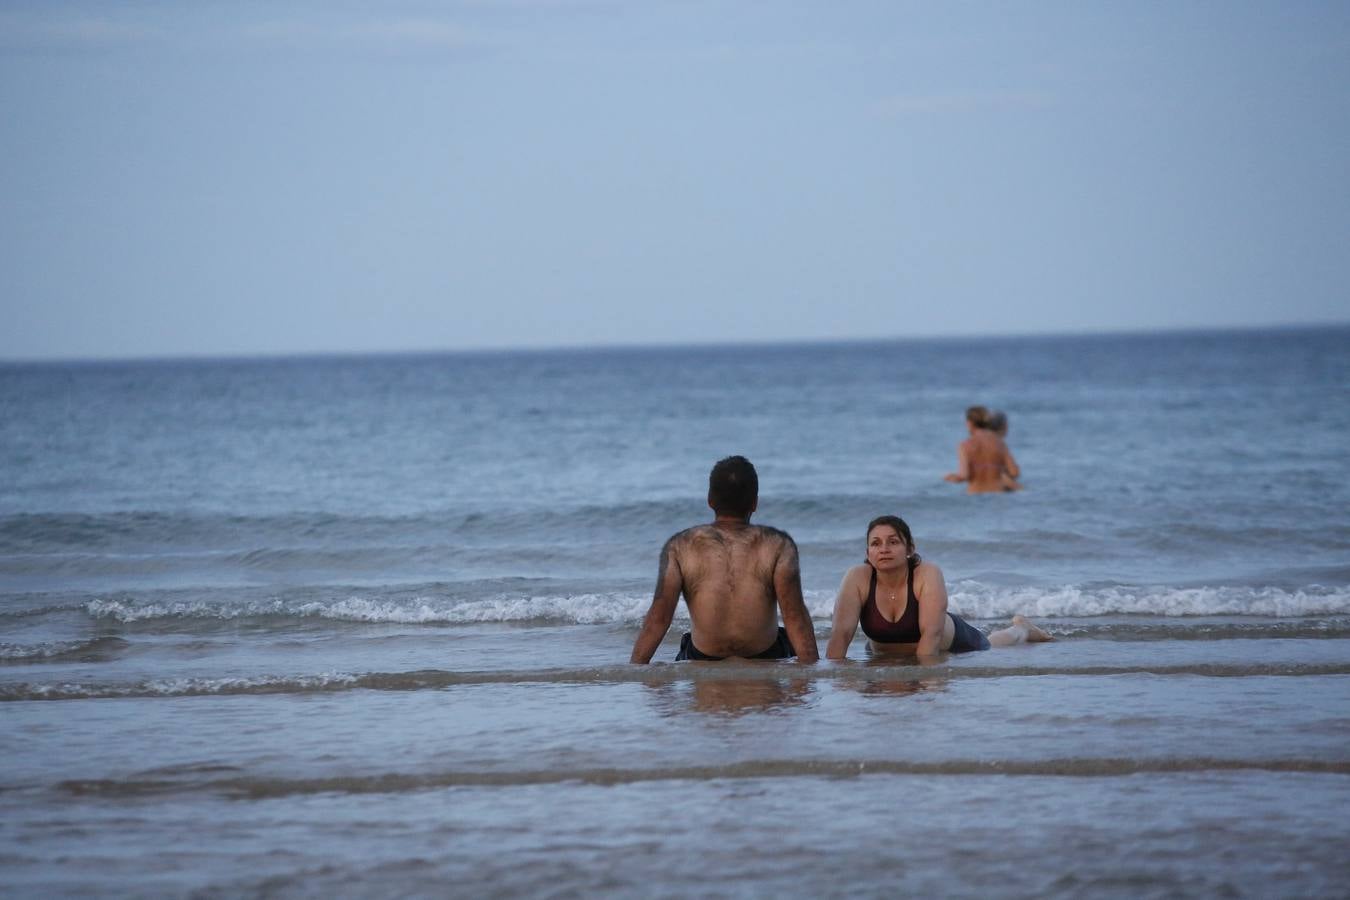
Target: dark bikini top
[879,628]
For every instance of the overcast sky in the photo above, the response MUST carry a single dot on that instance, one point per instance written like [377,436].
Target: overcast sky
[277,177]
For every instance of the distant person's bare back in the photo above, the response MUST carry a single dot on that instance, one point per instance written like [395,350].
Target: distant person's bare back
[732,577]
[987,463]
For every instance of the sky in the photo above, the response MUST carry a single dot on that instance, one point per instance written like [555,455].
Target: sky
[244,178]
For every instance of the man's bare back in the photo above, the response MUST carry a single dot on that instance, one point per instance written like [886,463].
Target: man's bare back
[728,571]
[735,577]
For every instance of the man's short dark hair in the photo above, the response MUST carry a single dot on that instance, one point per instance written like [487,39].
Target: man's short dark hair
[733,487]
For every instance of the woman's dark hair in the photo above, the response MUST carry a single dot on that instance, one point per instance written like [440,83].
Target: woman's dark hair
[901,529]
[733,487]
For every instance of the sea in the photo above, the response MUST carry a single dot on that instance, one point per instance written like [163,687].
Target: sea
[359,626]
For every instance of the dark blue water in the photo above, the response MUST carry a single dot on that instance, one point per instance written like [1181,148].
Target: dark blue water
[1177,460]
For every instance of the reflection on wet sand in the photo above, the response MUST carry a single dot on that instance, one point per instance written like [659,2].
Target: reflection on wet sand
[736,697]
[718,689]
[727,694]
[887,674]
[891,686]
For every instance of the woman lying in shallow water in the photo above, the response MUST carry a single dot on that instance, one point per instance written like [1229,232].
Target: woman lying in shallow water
[901,603]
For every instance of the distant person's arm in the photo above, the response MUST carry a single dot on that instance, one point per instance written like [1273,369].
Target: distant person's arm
[1010,464]
[931,592]
[787,584]
[962,472]
[844,622]
[669,584]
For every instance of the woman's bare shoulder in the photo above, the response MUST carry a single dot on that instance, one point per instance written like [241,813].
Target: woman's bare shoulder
[857,575]
[853,589]
[927,572]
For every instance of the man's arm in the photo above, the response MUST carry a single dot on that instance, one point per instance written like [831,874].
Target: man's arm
[787,584]
[1010,464]
[931,592]
[962,472]
[669,584]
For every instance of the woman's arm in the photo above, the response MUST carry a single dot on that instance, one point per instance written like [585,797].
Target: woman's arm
[931,591]
[1010,464]
[844,622]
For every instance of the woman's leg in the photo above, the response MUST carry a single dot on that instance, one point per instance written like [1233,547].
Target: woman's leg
[1020,632]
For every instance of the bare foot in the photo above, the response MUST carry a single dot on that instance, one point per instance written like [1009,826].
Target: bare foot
[1034,634]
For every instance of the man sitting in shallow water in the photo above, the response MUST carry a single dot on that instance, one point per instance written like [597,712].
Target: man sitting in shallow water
[735,577]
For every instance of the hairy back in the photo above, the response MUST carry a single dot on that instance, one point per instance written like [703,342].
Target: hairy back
[728,576]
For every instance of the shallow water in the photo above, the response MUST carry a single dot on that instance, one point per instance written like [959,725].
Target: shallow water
[1059,771]
[360,626]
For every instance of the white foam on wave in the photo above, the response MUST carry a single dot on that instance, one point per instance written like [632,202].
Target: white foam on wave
[984,602]
[179,687]
[580,609]
[969,598]
[17,652]
[136,611]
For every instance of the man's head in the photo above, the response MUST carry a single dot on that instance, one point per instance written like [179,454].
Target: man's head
[998,422]
[733,487]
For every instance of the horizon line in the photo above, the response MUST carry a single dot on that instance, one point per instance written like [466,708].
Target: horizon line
[622,346]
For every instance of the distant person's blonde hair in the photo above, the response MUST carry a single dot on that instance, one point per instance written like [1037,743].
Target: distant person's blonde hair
[977,416]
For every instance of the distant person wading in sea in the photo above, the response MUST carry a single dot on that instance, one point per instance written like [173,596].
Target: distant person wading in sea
[998,424]
[983,460]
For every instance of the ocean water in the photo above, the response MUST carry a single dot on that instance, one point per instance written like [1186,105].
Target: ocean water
[359,626]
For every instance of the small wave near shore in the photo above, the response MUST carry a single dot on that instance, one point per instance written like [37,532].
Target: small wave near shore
[971,599]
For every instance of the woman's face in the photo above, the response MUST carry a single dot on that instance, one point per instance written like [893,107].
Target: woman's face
[886,549]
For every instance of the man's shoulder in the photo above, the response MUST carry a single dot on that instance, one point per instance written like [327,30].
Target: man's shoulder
[688,536]
[691,531]
[778,535]
[761,534]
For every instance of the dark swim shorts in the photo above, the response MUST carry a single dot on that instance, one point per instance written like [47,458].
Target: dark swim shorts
[779,649]
[967,637]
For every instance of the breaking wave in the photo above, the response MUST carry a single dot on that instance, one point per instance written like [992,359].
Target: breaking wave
[971,599]
[60,651]
[581,609]
[982,602]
